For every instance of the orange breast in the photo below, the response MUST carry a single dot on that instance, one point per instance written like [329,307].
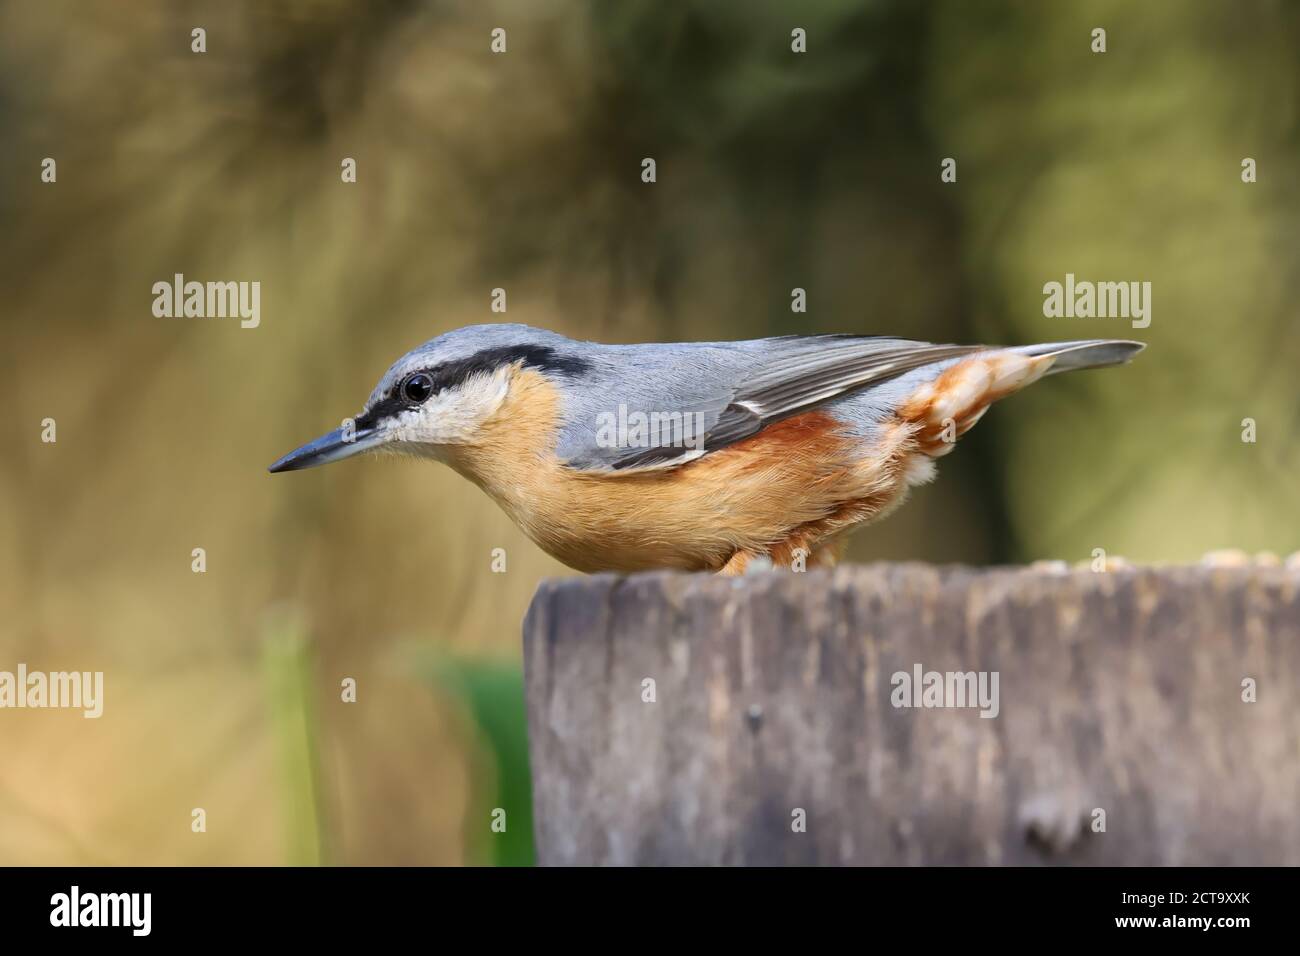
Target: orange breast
[798,480]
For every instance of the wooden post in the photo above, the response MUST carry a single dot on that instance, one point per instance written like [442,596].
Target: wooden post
[689,719]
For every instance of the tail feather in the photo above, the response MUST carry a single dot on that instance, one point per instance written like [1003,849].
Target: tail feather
[1090,353]
[949,405]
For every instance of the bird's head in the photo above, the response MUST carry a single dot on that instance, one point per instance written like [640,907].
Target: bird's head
[442,393]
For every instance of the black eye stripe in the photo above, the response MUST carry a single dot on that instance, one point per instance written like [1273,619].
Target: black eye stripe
[450,374]
[454,373]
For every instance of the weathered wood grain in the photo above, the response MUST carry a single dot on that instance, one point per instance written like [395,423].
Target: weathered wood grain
[1120,691]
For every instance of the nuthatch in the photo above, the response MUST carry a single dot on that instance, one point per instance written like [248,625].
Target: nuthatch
[699,456]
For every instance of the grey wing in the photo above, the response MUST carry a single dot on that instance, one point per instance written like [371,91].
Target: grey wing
[752,384]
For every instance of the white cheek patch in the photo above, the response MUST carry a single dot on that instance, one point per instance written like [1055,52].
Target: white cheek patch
[453,416]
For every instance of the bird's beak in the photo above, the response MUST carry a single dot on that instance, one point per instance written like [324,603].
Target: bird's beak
[332,447]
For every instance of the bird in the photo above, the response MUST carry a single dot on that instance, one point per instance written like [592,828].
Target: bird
[693,456]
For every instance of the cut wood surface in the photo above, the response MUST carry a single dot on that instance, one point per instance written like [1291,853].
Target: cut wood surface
[1123,732]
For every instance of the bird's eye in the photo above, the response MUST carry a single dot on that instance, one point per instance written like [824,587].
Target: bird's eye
[417,388]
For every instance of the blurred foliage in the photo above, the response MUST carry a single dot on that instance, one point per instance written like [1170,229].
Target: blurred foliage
[522,171]
[286,663]
[492,694]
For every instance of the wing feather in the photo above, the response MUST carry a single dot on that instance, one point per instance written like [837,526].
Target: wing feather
[798,375]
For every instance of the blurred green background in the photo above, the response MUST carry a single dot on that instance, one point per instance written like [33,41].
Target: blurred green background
[522,170]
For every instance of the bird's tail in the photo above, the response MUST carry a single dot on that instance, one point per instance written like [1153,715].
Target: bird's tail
[1090,353]
[946,407]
